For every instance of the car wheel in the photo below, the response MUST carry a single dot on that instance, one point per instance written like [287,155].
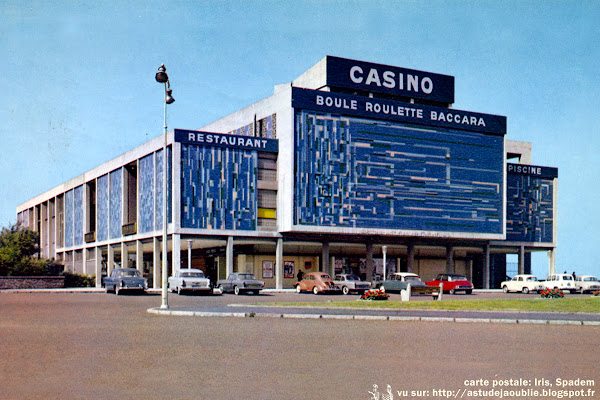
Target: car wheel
[468,291]
[117,289]
[525,290]
[315,290]
[345,290]
[236,290]
[505,289]
[298,290]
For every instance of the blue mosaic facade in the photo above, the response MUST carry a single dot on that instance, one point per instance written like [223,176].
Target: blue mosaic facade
[159,187]
[102,201]
[78,215]
[69,218]
[218,188]
[529,209]
[359,173]
[146,194]
[116,204]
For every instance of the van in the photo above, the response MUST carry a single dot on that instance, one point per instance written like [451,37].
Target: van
[561,282]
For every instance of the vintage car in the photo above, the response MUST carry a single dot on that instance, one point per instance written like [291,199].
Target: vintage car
[524,283]
[351,283]
[587,283]
[560,282]
[399,281]
[317,282]
[452,283]
[125,279]
[189,280]
[240,283]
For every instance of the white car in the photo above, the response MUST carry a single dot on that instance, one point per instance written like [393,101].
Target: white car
[351,283]
[561,282]
[524,283]
[189,279]
[587,283]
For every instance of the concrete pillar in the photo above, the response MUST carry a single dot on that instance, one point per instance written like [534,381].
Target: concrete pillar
[124,255]
[331,270]
[279,264]
[139,256]
[156,265]
[552,261]
[486,266]
[326,266]
[410,258]
[229,257]
[110,262]
[522,260]
[189,253]
[176,252]
[98,266]
[449,259]
[84,260]
[370,262]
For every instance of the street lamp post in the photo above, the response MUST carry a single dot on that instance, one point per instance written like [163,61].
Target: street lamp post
[162,77]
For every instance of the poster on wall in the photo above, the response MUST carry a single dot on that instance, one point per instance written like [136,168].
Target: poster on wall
[288,269]
[267,269]
[308,265]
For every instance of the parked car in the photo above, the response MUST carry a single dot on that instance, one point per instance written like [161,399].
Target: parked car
[240,283]
[189,280]
[317,282]
[399,281]
[560,282]
[587,283]
[522,283]
[452,283]
[125,279]
[351,283]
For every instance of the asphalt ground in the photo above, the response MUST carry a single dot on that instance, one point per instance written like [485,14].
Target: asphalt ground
[100,346]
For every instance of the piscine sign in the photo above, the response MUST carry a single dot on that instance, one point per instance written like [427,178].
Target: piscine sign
[365,76]
[397,111]
[532,170]
[226,140]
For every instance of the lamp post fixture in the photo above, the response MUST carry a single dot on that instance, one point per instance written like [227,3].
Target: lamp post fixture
[162,77]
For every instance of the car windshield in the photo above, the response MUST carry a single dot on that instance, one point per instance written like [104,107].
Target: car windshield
[246,276]
[567,278]
[192,274]
[591,279]
[531,278]
[325,276]
[130,272]
[352,278]
[412,279]
[459,278]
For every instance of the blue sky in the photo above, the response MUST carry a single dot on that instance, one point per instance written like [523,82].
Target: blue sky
[79,89]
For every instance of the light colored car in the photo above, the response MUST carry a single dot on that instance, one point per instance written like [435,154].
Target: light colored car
[399,281]
[125,279]
[239,283]
[189,280]
[524,283]
[587,283]
[351,283]
[317,282]
[560,282]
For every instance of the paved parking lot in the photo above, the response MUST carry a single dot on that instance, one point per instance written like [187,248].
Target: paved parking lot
[83,346]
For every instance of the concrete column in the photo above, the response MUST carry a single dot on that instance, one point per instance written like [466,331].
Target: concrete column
[156,264]
[229,257]
[124,255]
[98,266]
[279,264]
[326,266]
[522,260]
[331,270]
[486,266]
[176,252]
[410,258]
[139,256]
[84,260]
[449,259]
[110,262]
[189,253]
[552,261]
[369,262]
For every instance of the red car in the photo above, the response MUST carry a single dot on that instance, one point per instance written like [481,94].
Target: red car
[452,283]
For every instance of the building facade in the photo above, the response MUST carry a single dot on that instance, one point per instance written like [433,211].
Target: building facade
[349,164]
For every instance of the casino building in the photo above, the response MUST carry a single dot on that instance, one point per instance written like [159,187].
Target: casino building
[347,165]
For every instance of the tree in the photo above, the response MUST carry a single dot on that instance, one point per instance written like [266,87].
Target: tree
[17,249]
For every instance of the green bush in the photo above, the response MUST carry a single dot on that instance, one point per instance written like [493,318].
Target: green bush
[76,280]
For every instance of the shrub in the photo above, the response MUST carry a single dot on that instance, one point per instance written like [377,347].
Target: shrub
[76,280]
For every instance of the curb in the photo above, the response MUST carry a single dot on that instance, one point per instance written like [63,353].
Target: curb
[159,311]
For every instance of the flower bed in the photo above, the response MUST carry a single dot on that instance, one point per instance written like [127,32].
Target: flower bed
[552,294]
[375,295]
